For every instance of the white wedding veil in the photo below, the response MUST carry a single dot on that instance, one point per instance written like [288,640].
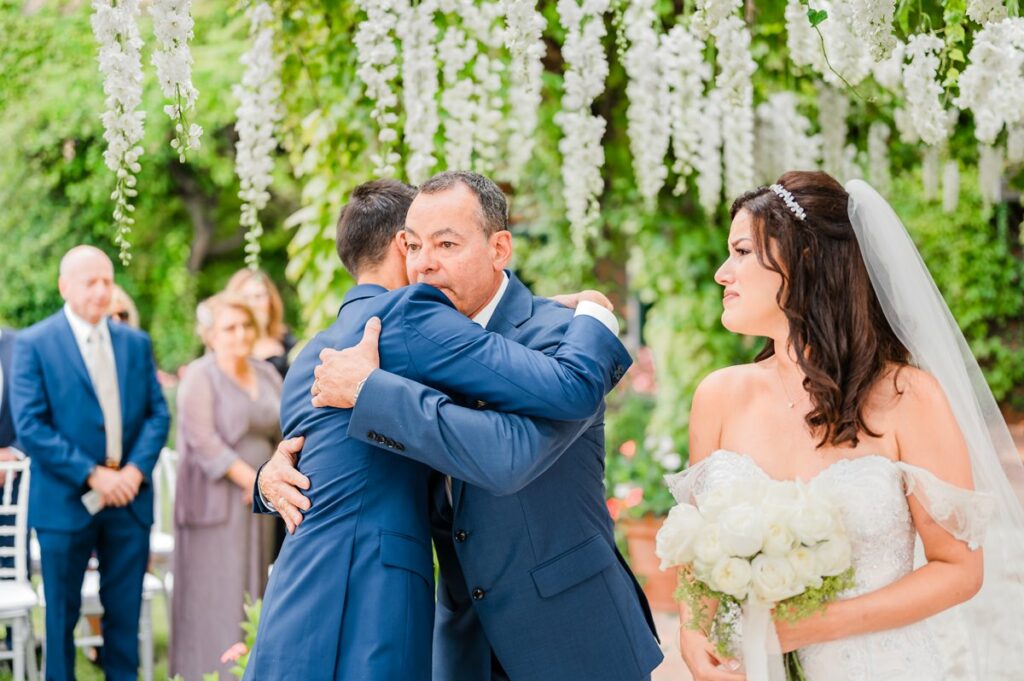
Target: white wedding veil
[989,627]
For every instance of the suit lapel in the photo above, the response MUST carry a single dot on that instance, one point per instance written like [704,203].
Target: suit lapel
[514,308]
[119,343]
[69,347]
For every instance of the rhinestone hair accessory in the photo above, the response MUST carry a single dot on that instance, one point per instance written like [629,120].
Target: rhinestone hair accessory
[790,202]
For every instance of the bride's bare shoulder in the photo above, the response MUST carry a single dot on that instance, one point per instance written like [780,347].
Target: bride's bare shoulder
[728,383]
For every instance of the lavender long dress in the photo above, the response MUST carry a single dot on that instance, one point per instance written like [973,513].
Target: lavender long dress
[221,549]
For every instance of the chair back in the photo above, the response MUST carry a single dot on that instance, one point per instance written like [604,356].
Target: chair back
[14,520]
[165,479]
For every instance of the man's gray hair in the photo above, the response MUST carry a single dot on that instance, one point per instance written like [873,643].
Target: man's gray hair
[493,206]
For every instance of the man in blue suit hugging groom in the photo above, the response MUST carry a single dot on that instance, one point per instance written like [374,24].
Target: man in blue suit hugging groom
[351,594]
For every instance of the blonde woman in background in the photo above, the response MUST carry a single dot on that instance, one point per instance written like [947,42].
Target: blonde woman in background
[273,341]
[122,308]
[227,426]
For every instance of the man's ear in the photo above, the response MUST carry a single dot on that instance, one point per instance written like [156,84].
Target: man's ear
[501,248]
[400,243]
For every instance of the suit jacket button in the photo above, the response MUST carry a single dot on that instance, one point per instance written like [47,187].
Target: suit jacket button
[480,404]
[391,443]
[372,436]
[478,594]
[461,536]
[399,446]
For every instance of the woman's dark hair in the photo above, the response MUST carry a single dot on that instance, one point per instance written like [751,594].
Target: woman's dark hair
[839,334]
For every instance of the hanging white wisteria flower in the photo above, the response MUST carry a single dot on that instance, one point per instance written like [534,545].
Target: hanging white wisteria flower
[685,73]
[950,186]
[784,139]
[710,13]
[986,11]
[905,126]
[736,69]
[172,26]
[707,160]
[647,91]
[839,45]
[258,113]
[872,19]
[115,26]
[582,153]
[930,163]
[490,116]
[457,99]
[878,156]
[524,29]
[377,53]
[801,38]
[992,85]
[889,72]
[833,107]
[922,89]
[1015,144]
[417,31]
[990,173]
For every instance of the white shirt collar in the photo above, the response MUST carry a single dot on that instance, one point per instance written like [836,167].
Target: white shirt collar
[483,317]
[81,328]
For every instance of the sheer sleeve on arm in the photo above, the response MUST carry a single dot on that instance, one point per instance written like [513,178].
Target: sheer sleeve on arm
[964,513]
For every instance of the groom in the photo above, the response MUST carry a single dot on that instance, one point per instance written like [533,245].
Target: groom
[363,550]
[532,586]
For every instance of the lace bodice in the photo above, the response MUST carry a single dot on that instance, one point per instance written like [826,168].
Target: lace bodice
[871,493]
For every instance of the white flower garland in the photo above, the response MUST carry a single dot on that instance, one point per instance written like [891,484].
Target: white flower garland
[648,94]
[784,139]
[489,126]
[872,19]
[986,11]
[878,156]
[950,186]
[686,73]
[930,166]
[889,72]
[417,31]
[710,13]
[1015,144]
[846,49]
[458,97]
[524,29]
[172,26]
[708,157]
[833,107]
[377,52]
[990,173]
[258,113]
[115,26]
[582,153]
[992,85]
[736,69]
[920,83]
[801,38]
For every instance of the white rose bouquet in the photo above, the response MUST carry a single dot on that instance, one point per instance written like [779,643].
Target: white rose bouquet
[756,546]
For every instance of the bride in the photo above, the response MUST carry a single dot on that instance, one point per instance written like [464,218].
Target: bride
[865,383]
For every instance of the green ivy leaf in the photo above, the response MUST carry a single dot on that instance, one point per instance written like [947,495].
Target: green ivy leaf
[816,16]
[957,56]
[955,33]
[952,77]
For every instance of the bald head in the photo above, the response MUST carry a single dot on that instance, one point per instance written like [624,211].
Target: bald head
[86,282]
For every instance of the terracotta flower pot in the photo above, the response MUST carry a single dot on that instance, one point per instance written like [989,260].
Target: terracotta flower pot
[659,586]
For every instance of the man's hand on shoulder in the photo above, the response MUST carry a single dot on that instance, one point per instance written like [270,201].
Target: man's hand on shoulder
[572,300]
[279,482]
[337,380]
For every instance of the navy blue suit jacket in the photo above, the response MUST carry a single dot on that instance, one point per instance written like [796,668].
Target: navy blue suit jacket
[351,595]
[60,425]
[7,433]
[529,568]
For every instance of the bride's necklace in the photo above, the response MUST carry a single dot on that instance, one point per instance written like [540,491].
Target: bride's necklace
[778,370]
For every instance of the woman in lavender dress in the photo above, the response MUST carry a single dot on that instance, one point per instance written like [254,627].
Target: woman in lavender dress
[227,426]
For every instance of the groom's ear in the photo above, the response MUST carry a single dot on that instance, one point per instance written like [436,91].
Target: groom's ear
[501,248]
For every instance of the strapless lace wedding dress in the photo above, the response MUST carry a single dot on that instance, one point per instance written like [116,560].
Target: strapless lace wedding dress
[871,493]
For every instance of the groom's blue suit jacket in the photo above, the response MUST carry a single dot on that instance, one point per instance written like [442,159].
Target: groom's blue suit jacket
[530,574]
[351,595]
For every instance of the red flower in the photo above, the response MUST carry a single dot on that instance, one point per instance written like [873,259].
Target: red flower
[615,507]
[635,496]
[233,653]
[628,449]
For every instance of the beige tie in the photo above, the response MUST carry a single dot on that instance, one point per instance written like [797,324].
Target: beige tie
[104,380]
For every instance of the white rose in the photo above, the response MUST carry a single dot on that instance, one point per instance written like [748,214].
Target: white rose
[712,502]
[774,579]
[674,544]
[731,576]
[833,556]
[741,530]
[778,538]
[708,547]
[813,521]
[805,563]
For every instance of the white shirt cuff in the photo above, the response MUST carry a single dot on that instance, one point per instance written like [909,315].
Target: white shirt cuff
[600,313]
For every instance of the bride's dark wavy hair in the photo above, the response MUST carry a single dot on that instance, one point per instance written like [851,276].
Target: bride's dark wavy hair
[840,336]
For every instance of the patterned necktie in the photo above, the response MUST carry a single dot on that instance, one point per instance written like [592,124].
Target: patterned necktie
[104,381]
